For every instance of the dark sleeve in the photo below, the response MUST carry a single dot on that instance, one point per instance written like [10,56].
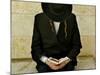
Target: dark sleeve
[36,49]
[76,42]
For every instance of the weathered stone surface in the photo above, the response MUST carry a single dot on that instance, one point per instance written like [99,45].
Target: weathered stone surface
[21,46]
[23,67]
[86,24]
[35,7]
[87,10]
[22,25]
[22,30]
[88,46]
[20,7]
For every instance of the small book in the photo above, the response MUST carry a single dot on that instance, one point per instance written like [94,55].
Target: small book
[56,61]
[53,60]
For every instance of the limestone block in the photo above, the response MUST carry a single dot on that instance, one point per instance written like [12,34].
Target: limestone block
[22,25]
[34,7]
[88,46]
[23,67]
[21,47]
[86,24]
[86,63]
[88,10]
[26,7]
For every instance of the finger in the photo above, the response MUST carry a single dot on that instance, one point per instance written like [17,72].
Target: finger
[62,65]
[54,67]
[53,62]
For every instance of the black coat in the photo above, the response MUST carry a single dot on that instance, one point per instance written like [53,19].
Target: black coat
[46,42]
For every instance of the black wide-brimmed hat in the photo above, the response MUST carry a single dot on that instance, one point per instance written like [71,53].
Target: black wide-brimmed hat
[57,12]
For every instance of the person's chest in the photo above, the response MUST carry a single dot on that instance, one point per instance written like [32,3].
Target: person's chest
[52,32]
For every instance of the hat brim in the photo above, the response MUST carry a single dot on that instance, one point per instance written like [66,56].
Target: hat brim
[58,17]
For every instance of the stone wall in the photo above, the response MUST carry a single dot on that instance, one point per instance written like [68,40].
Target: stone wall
[22,27]
[23,20]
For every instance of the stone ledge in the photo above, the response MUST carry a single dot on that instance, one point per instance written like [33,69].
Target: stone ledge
[28,66]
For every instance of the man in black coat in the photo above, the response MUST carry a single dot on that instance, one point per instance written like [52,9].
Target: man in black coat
[56,39]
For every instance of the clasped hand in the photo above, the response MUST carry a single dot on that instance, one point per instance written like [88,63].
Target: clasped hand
[56,64]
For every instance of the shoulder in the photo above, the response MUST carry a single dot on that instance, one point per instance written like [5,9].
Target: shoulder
[39,15]
[73,20]
[72,16]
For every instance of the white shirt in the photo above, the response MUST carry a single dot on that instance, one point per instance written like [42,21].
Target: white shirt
[56,25]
